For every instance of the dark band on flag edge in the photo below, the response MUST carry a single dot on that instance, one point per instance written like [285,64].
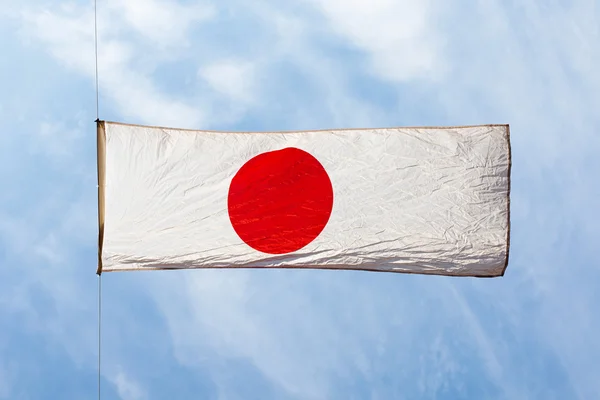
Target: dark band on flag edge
[508,177]
[101,177]
[305,267]
[308,130]
[101,160]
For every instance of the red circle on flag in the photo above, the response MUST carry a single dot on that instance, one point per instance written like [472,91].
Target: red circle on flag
[280,201]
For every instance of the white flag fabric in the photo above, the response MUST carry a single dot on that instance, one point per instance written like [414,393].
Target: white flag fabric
[412,200]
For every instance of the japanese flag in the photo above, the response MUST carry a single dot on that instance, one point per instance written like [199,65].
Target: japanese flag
[412,200]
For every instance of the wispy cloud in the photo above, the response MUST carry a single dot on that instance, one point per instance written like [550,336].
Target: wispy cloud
[126,387]
[125,70]
[400,38]
[231,78]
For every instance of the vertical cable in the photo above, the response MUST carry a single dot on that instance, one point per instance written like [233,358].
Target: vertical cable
[99,328]
[96,54]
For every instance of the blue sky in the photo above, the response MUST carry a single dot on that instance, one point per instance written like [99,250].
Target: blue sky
[299,64]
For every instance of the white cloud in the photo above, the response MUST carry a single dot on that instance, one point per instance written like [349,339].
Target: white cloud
[127,388]
[69,36]
[166,23]
[400,37]
[232,78]
[236,315]
[303,331]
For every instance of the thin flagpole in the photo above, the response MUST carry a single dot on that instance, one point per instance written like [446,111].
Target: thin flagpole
[96,57]
[99,329]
